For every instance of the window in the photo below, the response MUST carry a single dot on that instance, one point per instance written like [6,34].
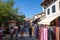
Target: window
[48,11]
[59,19]
[53,9]
[59,5]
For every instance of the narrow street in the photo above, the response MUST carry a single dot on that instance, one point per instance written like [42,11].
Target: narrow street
[25,37]
[21,38]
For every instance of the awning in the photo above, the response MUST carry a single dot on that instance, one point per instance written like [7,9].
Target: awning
[48,20]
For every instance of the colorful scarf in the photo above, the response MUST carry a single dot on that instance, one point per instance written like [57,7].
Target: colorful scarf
[43,34]
[57,33]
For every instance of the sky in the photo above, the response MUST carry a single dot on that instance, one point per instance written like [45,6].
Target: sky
[28,7]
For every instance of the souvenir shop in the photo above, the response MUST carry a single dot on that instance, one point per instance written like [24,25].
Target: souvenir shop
[49,29]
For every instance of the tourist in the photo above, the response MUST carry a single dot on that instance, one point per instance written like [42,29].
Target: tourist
[22,30]
[16,32]
[11,33]
[1,33]
[36,28]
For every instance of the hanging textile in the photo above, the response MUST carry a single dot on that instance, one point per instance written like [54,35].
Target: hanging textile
[43,34]
[57,33]
[40,31]
[51,34]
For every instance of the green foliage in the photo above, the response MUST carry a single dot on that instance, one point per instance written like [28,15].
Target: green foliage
[8,12]
[20,18]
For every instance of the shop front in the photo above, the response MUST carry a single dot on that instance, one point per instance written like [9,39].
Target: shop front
[49,28]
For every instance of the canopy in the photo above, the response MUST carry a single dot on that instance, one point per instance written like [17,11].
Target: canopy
[48,20]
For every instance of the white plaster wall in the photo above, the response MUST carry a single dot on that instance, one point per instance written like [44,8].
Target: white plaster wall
[35,17]
[58,0]
[57,9]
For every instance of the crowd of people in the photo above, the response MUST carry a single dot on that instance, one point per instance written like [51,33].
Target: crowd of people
[19,29]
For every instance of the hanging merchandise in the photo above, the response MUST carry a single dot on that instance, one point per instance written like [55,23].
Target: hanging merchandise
[40,31]
[57,33]
[39,34]
[51,34]
[43,33]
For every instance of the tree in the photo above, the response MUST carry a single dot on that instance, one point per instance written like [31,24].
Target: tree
[7,11]
[21,18]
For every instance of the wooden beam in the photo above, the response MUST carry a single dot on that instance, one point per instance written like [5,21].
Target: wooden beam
[46,2]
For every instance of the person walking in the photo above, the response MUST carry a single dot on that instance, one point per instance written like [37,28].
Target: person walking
[36,30]
[22,30]
[16,32]
[27,24]
[11,33]
[30,29]
[1,33]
